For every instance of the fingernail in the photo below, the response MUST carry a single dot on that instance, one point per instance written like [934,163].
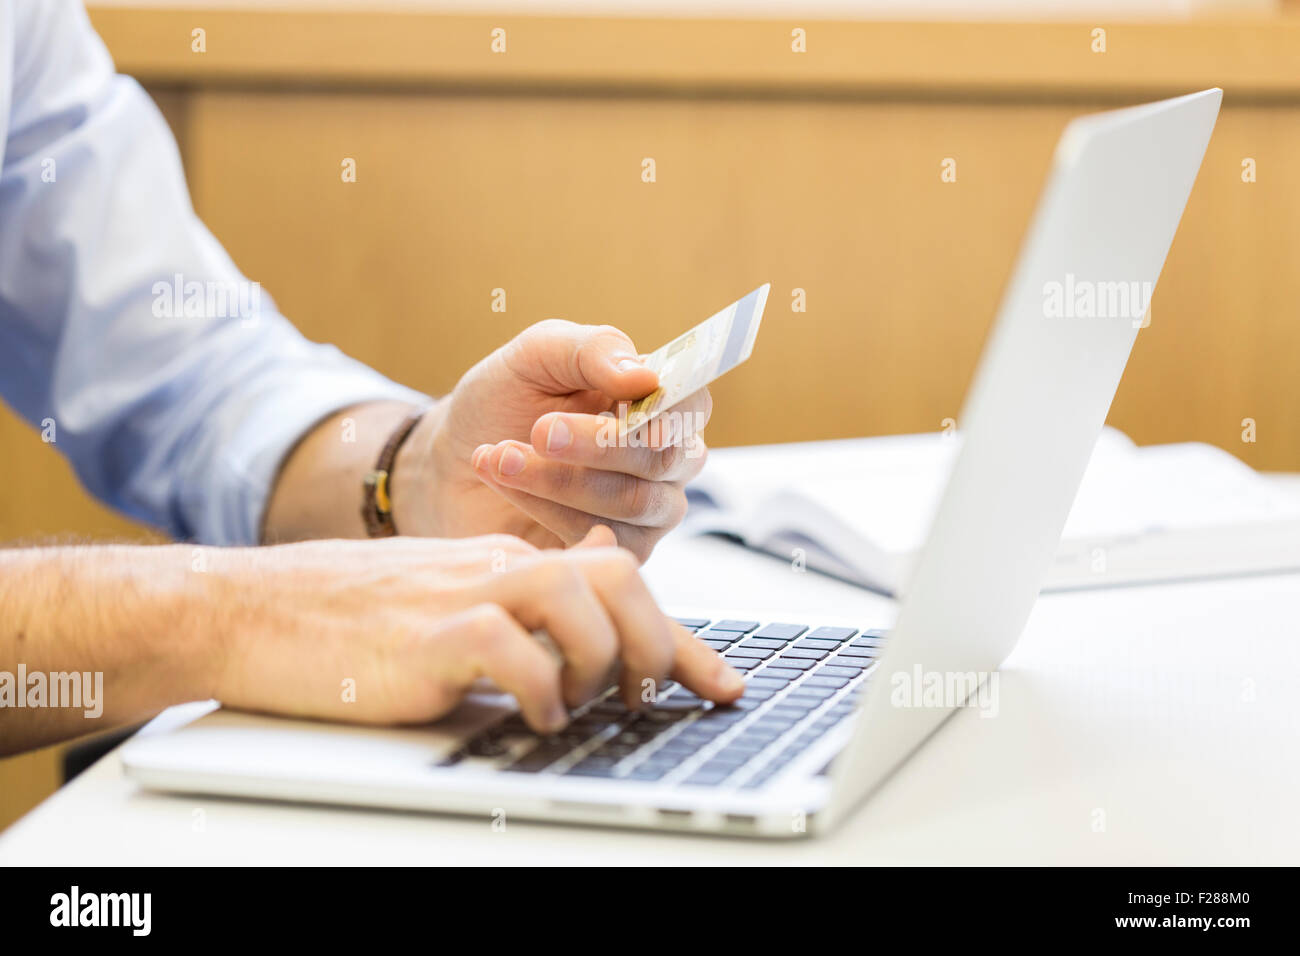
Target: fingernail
[599,536]
[556,720]
[559,436]
[729,679]
[476,459]
[630,365]
[512,461]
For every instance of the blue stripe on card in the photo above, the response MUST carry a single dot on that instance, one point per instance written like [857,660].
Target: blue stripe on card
[735,347]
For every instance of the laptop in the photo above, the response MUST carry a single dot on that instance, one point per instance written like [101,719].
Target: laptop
[832,708]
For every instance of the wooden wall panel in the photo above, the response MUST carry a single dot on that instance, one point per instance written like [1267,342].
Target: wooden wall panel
[1224,341]
[459,194]
[26,780]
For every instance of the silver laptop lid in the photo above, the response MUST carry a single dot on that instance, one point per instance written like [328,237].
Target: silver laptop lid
[1034,411]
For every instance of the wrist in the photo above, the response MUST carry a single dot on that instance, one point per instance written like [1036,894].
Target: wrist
[199,610]
[245,602]
[418,474]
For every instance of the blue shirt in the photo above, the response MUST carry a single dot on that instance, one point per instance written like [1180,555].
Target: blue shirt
[168,380]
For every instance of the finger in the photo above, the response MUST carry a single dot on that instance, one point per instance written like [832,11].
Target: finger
[653,645]
[551,593]
[604,494]
[571,434]
[485,641]
[560,357]
[570,525]
[682,423]
[702,669]
[646,641]
[600,536]
[666,449]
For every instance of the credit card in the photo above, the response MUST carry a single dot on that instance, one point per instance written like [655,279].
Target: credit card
[694,359]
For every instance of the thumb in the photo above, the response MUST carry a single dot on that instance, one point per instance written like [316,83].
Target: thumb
[561,357]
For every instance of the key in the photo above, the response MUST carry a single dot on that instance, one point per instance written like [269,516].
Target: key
[486,747]
[813,644]
[648,773]
[743,627]
[784,674]
[580,771]
[692,623]
[697,737]
[767,642]
[862,652]
[807,653]
[725,761]
[678,704]
[774,724]
[829,671]
[675,750]
[745,745]
[617,751]
[818,681]
[794,663]
[836,634]
[593,766]
[539,758]
[713,634]
[792,708]
[781,632]
[681,693]
[799,698]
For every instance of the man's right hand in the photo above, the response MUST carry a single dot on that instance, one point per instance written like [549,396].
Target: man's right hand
[411,624]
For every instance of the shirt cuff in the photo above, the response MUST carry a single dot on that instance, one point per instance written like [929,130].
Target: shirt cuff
[230,512]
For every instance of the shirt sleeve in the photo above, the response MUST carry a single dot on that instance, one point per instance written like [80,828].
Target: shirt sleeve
[174,386]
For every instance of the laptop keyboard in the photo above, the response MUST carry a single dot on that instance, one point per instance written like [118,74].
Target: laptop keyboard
[801,682]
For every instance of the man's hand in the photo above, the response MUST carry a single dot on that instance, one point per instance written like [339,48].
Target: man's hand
[415,622]
[520,447]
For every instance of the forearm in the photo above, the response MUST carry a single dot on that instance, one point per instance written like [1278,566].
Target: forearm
[318,491]
[137,624]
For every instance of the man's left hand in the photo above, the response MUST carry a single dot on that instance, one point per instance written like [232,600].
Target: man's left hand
[521,447]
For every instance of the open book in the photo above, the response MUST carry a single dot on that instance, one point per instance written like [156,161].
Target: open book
[860,508]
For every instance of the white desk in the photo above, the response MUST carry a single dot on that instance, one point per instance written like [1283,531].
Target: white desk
[1167,713]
